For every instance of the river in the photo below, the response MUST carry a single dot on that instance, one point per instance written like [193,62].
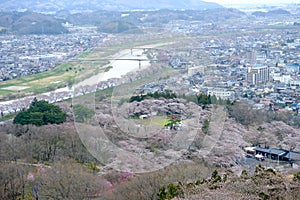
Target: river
[119,68]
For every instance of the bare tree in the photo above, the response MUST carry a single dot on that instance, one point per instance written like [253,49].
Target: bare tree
[68,180]
[12,181]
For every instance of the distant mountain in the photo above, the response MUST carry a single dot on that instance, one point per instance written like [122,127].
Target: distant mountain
[30,23]
[107,21]
[104,19]
[271,13]
[279,12]
[83,5]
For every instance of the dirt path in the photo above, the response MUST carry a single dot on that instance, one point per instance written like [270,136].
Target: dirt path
[215,130]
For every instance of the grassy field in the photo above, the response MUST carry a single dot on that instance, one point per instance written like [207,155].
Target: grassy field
[156,120]
[39,83]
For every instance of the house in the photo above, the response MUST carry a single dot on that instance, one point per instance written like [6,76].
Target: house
[278,154]
[275,154]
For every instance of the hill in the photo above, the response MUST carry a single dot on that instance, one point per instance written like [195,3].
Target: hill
[262,184]
[60,153]
[271,13]
[153,18]
[30,23]
[118,27]
[81,5]
[279,12]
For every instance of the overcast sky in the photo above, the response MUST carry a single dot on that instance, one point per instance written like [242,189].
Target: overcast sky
[270,2]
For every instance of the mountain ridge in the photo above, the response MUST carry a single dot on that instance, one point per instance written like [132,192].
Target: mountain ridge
[92,5]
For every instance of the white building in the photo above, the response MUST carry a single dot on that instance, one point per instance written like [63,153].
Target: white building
[258,75]
[222,93]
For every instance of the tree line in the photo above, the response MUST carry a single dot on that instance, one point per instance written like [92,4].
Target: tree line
[155,95]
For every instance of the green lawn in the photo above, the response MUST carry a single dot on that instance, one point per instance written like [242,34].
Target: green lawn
[156,120]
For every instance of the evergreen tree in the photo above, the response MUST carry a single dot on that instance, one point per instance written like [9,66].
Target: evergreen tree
[40,113]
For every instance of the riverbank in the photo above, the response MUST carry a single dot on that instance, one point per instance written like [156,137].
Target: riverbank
[121,63]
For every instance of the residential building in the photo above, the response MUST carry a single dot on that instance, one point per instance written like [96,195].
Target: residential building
[221,93]
[258,75]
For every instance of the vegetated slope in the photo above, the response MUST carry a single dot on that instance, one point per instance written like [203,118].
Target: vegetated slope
[223,140]
[30,23]
[155,18]
[52,6]
[262,184]
[53,143]
[118,27]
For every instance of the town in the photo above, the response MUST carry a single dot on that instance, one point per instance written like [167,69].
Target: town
[153,103]
[241,64]
[263,68]
[24,55]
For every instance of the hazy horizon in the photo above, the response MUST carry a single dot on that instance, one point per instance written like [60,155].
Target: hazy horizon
[253,2]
